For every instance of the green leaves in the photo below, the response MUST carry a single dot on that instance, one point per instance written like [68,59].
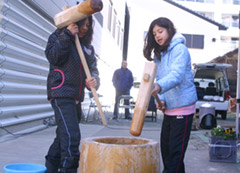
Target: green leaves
[225,133]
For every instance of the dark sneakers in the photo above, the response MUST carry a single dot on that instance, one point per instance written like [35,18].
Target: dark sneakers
[128,117]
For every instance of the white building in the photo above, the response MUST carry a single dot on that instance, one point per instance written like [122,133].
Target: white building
[225,12]
[202,34]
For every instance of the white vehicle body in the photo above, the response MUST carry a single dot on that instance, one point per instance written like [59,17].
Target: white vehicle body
[217,94]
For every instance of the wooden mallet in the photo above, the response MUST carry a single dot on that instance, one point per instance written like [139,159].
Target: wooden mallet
[72,15]
[143,98]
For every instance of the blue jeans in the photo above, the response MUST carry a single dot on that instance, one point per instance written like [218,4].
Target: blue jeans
[64,152]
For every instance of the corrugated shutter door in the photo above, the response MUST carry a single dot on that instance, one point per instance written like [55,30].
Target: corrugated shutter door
[23,66]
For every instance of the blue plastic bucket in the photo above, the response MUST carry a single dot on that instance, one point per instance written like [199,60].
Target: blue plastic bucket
[24,168]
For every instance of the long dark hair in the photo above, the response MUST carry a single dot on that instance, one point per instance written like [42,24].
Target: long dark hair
[151,45]
[87,38]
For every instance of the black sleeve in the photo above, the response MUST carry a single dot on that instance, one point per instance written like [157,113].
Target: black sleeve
[92,64]
[58,46]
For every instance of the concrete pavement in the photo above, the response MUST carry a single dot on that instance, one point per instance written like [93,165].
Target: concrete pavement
[32,147]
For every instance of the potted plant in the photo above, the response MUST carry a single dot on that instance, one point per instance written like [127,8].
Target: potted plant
[223,145]
[220,132]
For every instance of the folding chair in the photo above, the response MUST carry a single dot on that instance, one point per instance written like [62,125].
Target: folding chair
[123,100]
[153,109]
[93,107]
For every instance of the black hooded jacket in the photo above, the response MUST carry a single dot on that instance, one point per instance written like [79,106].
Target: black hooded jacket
[66,78]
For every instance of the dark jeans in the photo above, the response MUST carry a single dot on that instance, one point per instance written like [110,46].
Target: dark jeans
[117,99]
[174,141]
[64,152]
[79,111]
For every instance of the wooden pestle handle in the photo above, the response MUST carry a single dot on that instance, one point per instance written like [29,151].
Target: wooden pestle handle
[143,98]
[87,72]
[158,100]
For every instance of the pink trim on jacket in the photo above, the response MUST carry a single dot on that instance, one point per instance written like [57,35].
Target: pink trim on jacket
[187,110]
[63,79]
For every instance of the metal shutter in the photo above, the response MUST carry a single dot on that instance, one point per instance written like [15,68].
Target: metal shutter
[23,66]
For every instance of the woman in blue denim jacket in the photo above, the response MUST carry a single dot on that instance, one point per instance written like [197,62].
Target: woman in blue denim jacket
[175,88]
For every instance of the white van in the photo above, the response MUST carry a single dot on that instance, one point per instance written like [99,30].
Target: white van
[212,86]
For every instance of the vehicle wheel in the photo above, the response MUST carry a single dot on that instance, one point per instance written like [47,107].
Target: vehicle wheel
[224,115]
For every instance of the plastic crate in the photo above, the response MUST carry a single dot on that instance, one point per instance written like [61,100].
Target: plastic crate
[221,150]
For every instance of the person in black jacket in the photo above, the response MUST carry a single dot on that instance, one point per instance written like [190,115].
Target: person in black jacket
[65,88]
[123,82]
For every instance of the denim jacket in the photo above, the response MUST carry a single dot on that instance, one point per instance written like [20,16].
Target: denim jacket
[174,75]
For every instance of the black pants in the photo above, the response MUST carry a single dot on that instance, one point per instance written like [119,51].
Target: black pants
[174,141]
[117,99]
[64,152]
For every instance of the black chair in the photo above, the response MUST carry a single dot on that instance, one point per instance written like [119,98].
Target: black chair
[211,90]
[153,109]
[200,91]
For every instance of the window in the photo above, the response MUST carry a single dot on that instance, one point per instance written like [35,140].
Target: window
[226,20]
[194,41]
[227,1]
[99,18]
[114,24]
[236,2]
[235,19]
[121,39]
[232,42]
[145,35]
[230,20]
[110,16]
[118,32]
[207,14]
[210,1]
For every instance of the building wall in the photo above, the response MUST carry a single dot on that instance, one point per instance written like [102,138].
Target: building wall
[108,47]
[218,9]
[23,67]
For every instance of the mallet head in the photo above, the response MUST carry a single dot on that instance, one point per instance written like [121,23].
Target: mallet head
[77,12]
